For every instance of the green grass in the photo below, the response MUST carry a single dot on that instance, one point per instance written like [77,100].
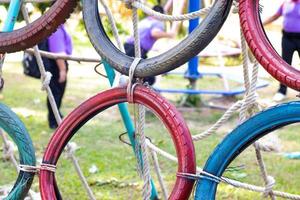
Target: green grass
[99,144]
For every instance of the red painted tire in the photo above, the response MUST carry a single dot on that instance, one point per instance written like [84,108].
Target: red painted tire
[262,48]
[36,31]
[167,113]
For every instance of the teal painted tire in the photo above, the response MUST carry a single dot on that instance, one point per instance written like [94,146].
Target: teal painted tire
[15,128]
[240,138]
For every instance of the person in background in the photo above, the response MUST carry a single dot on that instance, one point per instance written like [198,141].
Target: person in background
[150,30]
[290,10]
[59,42]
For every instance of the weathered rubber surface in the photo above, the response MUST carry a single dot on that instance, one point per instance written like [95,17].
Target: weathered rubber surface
[261,47]
[175,57]
[142,95]
[15,128]
[36,31]
[242,137]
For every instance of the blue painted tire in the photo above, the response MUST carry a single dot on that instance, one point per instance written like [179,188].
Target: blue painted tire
[240,138]
[15,128]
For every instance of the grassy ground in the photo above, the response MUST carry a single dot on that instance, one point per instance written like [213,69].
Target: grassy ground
[99,144]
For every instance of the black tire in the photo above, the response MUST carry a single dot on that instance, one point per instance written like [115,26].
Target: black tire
[175,57]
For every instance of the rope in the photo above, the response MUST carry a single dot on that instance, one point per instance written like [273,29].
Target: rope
[8,150]
[248,109]
[269,143]
[72,147]
[164,17]
[113,24]
[236,106]
[146,167]
[140,134]
[46,80]
[55,109]
[137,42]
[158,173]
[130,86]
[235,5]
[269,181]
[2,58]
[36,169]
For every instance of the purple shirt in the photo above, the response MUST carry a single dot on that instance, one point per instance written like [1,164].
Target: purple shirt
[60,41]
[145,28]
[290,10]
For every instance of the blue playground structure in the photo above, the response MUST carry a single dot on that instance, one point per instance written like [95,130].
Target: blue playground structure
[192,73]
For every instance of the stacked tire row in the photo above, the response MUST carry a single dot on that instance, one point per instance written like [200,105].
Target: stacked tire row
[244,135]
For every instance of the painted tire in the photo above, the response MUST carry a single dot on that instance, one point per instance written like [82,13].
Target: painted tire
[15,128]
[86,111]
[36,31]
[175,57]
[240,138]
[262,48]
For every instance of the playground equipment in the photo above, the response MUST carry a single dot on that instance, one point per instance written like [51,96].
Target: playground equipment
[247,106]
[123,108]
[145,96]
[192,71]
[142,96]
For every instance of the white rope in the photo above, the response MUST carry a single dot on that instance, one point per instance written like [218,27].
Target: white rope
[269,181]
[71,148]
[141,113]
[159,176]
[36,169]
[130,87]
[113,25]
[235,107]
[8,150]
[146,167]
[248,109]
[2,58]
[46,80]
[164,17]
[235,5]
[269,143]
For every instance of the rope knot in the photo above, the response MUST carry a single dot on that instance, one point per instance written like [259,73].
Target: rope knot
[269,186]
[269,143]
[128,4]
[253,107]
[8,150]
[71,148]
[46,80]
[131,86]
[37,169]
[235,9]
